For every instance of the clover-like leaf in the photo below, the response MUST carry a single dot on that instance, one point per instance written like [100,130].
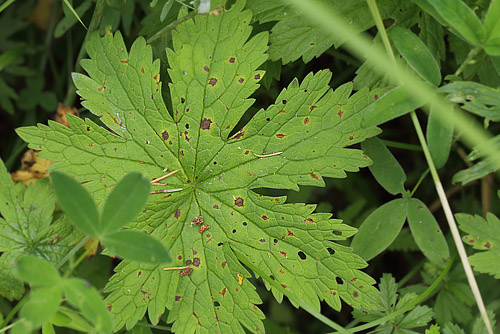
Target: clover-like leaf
[207,213]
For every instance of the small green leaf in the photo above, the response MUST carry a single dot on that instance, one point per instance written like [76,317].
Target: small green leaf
[395,103]
[416,54]
[88,300]
[66,317]
[136,246]
[450,328]
[386,169]
[459,16]
[482,235]
[426,232]
[388,291]
[492,29]
[434,329]
[76,203]
[36,271]
[124,203]
[166,8]
[48,328]
[418,317]
[42,305]
[380,229]
[439,137]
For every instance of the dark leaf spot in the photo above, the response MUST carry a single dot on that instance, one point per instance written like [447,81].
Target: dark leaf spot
[205,124]
[232,60]
[241,80]
[164,135]
[206,69]
[265,217]
[223,264]
[280,135]
[281,111]
[186,272]
[302,255]
[239,201]
[183,100]
[239,135]
[179,257]
[110,307]
[177,298]
[124,61]
[351,137]
[283,101]
[189,262]
[290,233]
[355,294]
[284,253]
[88,128]
[487,245]
[284,286]
[257,77]
[340,113]
[262,240]
[196,262]
[142,70]
[339,280]
[212,81]
[246,152]
[223,292]
[314,176]
[306,120]
[245,223]
[375,97]
[215,206]
[312,108]
[177,213]
[139,273]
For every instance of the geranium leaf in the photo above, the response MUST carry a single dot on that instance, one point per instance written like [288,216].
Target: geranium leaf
[207,213]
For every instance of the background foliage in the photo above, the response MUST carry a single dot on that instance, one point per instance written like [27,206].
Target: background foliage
[450,47]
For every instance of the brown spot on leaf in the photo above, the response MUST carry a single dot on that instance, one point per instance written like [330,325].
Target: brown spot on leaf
[265,217]
[312,108]
[205,124]
[110,307]
[204,227]
[124,61]
[280,135]
[281,111]
[212,81]
[375,97]
[177,298]
[310,220]
[215,206]
[313,176]
[239,201]
[186,272]
[241,80]
[290,233]
[179,257]
[139,273]
[239,135]
[262,240]
[223,264]
[283,253]
[355,294]
[206,69]
[196,262]
[177,213]
[340,113]
[257,77]
[246,152]
[284,286]
[351,137]
[306,120]
[232,60]
[223,292]
[88,128]
[142,70]
[155,78]
[487,245]
[164,135]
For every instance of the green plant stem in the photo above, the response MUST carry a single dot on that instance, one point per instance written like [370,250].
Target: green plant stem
[439,188]
[14,310]
[5,5]
[79,260]
[6,328]
[291,296]
[94,24]
[422,177]
[49,35]
[72,251]
[410,305]
[472,54]
[162,328]
[171,26]
[404,146]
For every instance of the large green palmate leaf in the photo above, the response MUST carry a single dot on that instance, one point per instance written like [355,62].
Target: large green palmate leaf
[299,140]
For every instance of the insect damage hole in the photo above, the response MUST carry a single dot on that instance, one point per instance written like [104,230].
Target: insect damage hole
[302,255]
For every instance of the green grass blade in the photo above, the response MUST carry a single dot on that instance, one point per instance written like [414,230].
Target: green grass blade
[66,2]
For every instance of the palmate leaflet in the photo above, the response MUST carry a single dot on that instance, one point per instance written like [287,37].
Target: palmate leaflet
[299,140]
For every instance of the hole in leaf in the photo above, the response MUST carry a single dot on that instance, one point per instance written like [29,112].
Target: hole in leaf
[183,100]
[330,250]
[339,280]
[187,125]
[216,304]
[339,233]
[234,231]
[302,255]
[220,244]
[272,277]
[245,223]
[275,241]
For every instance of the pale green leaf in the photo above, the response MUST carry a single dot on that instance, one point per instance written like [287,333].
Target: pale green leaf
[460,17]
[427,233]
[479,327]
[388,291]
[434,329]
[36,271]
[474,97]
[492,29]
[42,305]
[76,203]
[124,203]
[416,54]
[136,246]
[380,229]
[395,103]
[450,328]
[87,299]
[300,139]
[386,169]
[482,235]
[439,138]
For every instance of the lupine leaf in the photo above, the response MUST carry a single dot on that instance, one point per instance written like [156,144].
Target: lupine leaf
[299,140]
